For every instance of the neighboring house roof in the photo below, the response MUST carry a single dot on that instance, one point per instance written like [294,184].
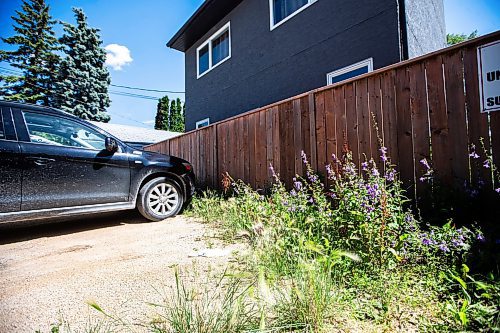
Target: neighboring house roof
[208,15]
[136,134]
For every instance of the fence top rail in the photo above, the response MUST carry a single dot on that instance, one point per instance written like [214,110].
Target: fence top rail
[470,43]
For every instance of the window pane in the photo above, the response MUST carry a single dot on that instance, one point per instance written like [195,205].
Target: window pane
[348,75]
[2,133]
[203,60]
[220,48]
[285,8]
[57,131]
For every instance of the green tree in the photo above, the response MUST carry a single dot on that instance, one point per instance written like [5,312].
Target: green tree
[83,80]
[35,56]
[453,39]
[176,116]
[162,111]
[170,115]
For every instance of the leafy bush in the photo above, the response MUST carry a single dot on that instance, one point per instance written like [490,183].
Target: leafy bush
[356,234]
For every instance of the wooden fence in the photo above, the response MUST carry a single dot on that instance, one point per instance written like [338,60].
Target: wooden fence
[425,108]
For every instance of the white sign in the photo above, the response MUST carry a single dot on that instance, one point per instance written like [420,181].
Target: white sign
[489,76]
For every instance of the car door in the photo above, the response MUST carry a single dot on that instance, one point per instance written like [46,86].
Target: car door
[66,165]
[10,164]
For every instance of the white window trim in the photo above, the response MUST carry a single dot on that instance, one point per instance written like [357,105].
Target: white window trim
[368,62]
[202,122]
[208,42]
[271,12]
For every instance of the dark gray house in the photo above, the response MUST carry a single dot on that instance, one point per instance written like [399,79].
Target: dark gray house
[244,54]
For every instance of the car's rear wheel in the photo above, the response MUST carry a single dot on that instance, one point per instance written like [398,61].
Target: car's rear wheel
[159,199]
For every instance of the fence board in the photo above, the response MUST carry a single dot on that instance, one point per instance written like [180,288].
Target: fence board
[420,124]
[405,131]
[352,123]
[455,105]
[477,121]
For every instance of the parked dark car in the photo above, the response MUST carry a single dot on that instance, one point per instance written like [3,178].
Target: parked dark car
[53,164]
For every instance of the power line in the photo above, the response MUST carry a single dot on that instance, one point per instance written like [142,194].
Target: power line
[113,85]
[144,89]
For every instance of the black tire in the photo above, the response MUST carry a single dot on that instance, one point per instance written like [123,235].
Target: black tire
[159,199]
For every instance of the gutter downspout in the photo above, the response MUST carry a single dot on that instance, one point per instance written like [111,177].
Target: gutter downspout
[403,30]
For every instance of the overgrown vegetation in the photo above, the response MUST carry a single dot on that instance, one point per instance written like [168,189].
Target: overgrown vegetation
[351,256]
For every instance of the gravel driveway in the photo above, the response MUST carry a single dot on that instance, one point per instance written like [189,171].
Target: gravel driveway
[118,261]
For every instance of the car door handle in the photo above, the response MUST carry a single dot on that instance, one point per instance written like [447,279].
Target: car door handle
[40,161]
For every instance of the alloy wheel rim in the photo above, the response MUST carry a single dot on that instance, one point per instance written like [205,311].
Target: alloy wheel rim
[163,199]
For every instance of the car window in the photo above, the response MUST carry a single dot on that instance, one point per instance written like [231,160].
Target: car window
[53,130]
[2,133]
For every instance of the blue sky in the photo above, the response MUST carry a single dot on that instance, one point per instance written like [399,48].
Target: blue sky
[144,27]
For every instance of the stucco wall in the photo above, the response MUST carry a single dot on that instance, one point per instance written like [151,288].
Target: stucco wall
[426,28]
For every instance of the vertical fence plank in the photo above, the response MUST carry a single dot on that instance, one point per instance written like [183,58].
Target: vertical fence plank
[320,131]
[352,122]
[363,119]
[438,116]
[341,124]
[376,118]
[390,115]
[405,131]
[331,128]
[305,123]
[260,149]
[269,145]
[276,139]
[420,124]
[455,105]
[297,136]
[477,122]
[312,128]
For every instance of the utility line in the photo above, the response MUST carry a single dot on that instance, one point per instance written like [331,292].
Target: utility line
[113,85]
[144,89]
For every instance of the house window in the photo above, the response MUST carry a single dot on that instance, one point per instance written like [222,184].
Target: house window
[362,67]
[215,50]
[203,123]
[283,10]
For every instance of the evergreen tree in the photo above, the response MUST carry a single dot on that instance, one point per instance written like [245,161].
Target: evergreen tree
[83,80]
[35,55]
[162,114]
[176,116]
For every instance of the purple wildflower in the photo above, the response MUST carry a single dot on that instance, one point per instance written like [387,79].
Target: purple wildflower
[311,200]
[390,175]
[443,247]
[304,157]
[497,190]
[383,150]
[474,155]
[375,172]
[480,237]
[298,185]
[364,166]
[426,242]
[373,191]
[273,173]
[335,159]
[425,163]
[329,171]
[486,164]
[293,193]
[312,177]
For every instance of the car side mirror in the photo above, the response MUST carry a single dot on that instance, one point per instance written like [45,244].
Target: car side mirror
[111,144]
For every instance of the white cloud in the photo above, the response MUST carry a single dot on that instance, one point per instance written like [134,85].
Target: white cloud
[149,122]
[117,56]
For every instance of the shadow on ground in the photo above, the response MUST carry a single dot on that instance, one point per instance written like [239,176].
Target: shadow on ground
[28,230]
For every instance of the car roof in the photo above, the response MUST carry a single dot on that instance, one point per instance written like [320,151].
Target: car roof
[34,107]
